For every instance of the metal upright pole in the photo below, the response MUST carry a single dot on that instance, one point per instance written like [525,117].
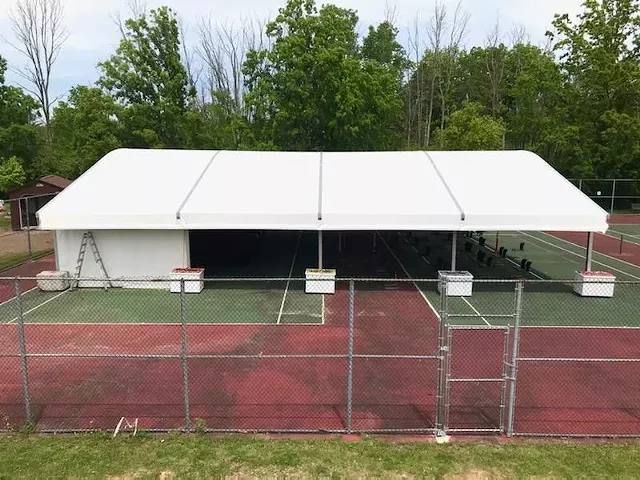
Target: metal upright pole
[320,249]
[26,201]
[374,241]
[613,196]
[350,358]
[183,357]
[442,357]
[26,391]
[339,242]
[454,246]
[514,358]
[589,252]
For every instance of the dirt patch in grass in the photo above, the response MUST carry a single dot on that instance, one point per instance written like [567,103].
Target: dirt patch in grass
[12,243]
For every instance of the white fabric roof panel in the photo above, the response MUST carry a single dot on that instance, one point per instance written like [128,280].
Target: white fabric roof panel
[516,190]
[383,191]
[256,190]
[127,189]
[186,189]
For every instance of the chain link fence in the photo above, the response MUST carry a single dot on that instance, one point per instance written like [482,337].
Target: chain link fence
[514,357]
[24,249]
[614,195]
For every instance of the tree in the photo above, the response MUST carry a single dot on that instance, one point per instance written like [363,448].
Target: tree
[11,174]
[468,129]
[600,58]
[86,127]
[18,134]
[311,90]
[40,34]
[147,77]
[533,98]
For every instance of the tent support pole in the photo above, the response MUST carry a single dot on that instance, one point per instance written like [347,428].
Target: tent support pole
[339,242]
[320,249]
[374,241]
[589,251]
[454,245]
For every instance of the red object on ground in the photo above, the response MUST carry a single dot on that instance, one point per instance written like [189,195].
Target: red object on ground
[593,273]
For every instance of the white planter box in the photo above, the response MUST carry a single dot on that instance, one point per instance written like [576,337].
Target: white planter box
[320,281]
[594,284]
[459,284]
[193,280]
[53,281]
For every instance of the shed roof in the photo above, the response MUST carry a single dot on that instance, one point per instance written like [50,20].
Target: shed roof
[195,189]
[56,181]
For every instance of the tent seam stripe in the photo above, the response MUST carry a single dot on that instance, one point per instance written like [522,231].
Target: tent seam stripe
[195,185]
[446,185]
[320,188]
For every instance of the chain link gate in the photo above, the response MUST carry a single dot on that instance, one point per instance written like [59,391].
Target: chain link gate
[476,385]
[476,374]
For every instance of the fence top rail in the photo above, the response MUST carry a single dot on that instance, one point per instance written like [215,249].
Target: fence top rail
[337,279]
[604,179]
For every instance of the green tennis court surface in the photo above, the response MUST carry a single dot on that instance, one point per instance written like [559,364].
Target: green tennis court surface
[416,256]
[231,302]
[542,303]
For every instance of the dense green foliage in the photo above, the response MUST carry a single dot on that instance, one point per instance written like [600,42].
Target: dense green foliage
[312,83]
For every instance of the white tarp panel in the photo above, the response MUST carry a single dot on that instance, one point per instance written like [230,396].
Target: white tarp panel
[127,189]
[256,190]
[385,191]
[126,253]
[182,189]
[516,190]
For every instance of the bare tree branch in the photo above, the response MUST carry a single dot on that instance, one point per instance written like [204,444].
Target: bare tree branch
[520,35]
[39,35]
[223,48]
[136,8]
[390,12]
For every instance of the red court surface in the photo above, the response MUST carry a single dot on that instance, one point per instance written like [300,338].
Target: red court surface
[625,219]
[249,385]
[29,269]
[578,381]
[604,244]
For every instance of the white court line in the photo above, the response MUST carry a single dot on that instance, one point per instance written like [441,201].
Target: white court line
[578,255]
[467,302]
[12,299]
[625,235]
[408,276]
[475,310]
[286,288]
[38,306]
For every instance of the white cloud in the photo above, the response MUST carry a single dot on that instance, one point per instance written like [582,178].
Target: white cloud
[93,34]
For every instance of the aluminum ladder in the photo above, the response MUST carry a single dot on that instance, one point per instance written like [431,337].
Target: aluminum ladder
[87,238]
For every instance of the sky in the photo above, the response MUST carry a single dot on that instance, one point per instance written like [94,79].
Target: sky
[93,35]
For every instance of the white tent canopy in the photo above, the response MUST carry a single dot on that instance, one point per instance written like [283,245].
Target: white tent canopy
[453,191]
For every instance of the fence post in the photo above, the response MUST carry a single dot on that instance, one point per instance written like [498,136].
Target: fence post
[514,358]
[350,358]
[23,354]
[442,353]
[613,196]
[183,357]
[28,228]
